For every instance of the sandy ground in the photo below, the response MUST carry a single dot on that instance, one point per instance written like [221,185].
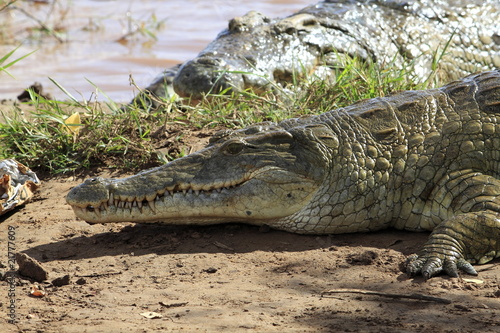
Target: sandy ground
[228,278]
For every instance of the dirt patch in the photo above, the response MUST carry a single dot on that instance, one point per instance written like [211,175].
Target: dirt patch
[228,278]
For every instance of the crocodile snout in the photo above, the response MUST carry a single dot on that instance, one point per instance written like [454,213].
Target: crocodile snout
[204,75]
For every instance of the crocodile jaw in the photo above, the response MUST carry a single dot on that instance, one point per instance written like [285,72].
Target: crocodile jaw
[254,201]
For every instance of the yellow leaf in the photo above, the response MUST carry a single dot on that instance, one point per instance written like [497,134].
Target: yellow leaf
[73,123]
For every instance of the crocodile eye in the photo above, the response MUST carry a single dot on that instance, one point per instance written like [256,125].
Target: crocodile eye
[93,180]
[234,148]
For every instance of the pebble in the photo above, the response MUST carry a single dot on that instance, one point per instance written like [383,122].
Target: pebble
[31,268]
[61,281]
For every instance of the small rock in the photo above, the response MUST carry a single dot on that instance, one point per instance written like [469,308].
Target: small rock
[210,270]
[31,268]
[61,281]
[37,88]
[81,281]
[151,315]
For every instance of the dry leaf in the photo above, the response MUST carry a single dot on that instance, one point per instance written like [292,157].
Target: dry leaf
[476,281]
[17,184]
[73,124]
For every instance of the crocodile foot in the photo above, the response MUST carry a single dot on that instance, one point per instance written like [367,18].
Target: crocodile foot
[431,264]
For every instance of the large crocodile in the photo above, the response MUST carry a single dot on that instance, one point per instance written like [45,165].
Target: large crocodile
[258,52]
[417,160]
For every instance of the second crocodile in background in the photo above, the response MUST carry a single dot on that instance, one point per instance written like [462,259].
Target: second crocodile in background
[417,160]
[258,52]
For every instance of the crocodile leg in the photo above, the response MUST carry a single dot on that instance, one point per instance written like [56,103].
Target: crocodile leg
[471,237]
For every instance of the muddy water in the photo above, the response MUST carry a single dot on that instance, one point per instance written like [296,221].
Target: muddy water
[100,40]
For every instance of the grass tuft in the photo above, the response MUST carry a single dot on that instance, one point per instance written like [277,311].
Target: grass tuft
[107,137]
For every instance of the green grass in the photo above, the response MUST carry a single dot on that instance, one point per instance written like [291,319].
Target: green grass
[127,138]
[4,66]
[108,137]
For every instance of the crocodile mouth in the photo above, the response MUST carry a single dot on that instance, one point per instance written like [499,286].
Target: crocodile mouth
[148,206]
[267,193]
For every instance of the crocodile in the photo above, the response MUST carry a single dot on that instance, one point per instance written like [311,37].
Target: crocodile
[259,53]
[417,160]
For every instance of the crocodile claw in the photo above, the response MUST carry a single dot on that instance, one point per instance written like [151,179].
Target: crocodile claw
[430,265]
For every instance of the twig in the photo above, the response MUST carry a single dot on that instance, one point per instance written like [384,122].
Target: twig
[99,274]
[378,293]
[487,267]
[223,246]
[150,95]
[43,25]
[172,305]
[7,4]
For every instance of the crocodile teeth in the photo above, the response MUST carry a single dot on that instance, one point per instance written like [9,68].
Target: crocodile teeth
[130,203]
[111,200]
[151,205]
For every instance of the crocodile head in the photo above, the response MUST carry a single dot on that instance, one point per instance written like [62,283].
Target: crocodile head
[226,64]
[259,53]
[256,175]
